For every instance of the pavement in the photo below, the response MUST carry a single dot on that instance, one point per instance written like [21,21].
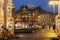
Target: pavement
[41,34]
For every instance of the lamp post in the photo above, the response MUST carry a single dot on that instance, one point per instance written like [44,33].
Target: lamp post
[53,3]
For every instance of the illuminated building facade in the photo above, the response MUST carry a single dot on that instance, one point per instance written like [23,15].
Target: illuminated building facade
[57,20]
[6,19]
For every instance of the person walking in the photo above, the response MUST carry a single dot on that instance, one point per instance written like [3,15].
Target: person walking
[53,26]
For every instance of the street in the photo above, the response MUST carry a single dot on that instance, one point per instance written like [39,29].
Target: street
[33,38]
[41,34]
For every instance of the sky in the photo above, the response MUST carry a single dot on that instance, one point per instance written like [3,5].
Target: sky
[43,3]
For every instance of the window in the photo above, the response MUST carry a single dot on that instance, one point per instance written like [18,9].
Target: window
[58,17]
[8,8]
[3,6]
[2,26]
[9,26]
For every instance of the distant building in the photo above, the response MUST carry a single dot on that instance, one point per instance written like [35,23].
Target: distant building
[27,14]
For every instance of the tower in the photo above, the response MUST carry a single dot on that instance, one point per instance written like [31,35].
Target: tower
[6,18]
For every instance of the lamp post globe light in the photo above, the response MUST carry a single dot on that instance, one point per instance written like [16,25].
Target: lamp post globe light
[53,3]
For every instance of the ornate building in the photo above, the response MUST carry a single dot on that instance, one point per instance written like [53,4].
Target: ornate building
[57,20]
[29,14]
[6,19]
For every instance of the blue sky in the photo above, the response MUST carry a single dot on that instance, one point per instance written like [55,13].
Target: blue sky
[43,3]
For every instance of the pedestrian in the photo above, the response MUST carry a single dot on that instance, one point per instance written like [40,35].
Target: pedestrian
[43,27]
[54,27]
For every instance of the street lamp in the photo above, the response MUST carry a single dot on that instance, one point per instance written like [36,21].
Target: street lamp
[53,3]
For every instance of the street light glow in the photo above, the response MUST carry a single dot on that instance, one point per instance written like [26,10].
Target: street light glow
[53,2]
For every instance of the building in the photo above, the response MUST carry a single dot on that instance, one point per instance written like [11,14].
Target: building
[34,13]
[57,20]
[47,19]
[6,19]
